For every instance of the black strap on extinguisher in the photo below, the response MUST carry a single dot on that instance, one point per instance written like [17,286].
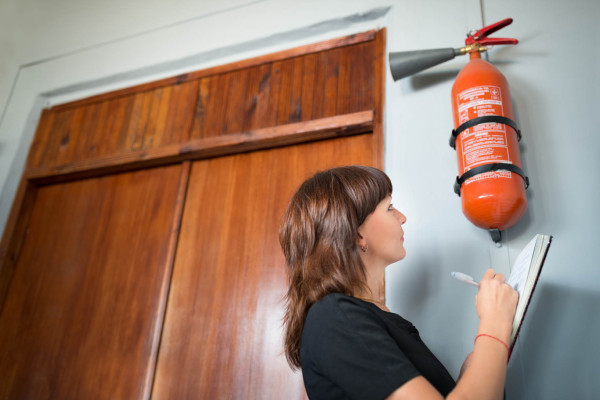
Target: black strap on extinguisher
[487,168]
[486,119]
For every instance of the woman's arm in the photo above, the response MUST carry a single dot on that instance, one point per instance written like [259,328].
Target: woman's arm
[485,375]
[464,366]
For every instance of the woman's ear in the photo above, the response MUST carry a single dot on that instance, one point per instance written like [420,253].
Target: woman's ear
[360,240]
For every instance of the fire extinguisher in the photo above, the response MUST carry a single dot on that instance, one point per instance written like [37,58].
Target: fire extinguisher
[490,181]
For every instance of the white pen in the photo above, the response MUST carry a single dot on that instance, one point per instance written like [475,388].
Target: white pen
[464,278]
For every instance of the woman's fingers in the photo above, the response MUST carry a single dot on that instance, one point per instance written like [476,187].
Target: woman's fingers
[489,274]
[495,300]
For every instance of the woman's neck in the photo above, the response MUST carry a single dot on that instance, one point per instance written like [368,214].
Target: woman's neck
[375,288]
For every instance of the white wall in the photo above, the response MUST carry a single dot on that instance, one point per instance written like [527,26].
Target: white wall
[63,50]
[554,76]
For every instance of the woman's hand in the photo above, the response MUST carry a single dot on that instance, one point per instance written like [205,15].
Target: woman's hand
[483,373]
[496,303]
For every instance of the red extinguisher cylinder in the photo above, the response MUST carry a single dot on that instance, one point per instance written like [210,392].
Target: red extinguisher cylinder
[492,200]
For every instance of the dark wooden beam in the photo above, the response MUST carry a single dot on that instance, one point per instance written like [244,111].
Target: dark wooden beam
[265,138]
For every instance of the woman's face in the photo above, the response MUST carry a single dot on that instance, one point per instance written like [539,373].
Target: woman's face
[382,232]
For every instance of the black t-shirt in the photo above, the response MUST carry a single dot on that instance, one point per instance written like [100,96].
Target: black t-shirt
[352,349]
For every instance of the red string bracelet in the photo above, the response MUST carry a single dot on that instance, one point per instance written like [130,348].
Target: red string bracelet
[495,338]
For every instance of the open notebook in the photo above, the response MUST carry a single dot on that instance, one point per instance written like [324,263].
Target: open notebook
[524,276]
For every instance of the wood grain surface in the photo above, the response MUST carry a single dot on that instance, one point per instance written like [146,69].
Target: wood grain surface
[221,69]
[93,247]
[222,336]
[282,135]
[299,88]
[78,319]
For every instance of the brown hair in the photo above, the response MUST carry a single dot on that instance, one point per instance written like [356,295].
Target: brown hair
[319,235]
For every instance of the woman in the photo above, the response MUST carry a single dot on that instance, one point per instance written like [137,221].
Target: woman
[339,233]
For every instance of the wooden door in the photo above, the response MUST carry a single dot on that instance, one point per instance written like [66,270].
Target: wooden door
[222,337]
[82,314]
[85,266]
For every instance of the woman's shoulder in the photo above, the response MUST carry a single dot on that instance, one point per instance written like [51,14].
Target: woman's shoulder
[336,308]
[342,330]
[332,299]
[339,301]
[334,302]
[331,318]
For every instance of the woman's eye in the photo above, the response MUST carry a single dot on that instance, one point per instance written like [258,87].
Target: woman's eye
[391,207]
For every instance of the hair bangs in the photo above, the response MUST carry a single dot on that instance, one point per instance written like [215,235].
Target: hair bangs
[366,187]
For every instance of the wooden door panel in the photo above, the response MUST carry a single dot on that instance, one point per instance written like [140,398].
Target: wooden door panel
[81,312]
[222,336]
[323,80]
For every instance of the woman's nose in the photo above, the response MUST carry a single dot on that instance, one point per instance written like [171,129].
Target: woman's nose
[402,218]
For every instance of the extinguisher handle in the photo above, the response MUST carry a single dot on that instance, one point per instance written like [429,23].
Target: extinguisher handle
[481,35]
[494,41]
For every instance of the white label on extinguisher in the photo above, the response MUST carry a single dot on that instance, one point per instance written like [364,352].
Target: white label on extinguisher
[483,143]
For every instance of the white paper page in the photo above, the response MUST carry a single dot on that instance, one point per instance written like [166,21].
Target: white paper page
[518,275]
